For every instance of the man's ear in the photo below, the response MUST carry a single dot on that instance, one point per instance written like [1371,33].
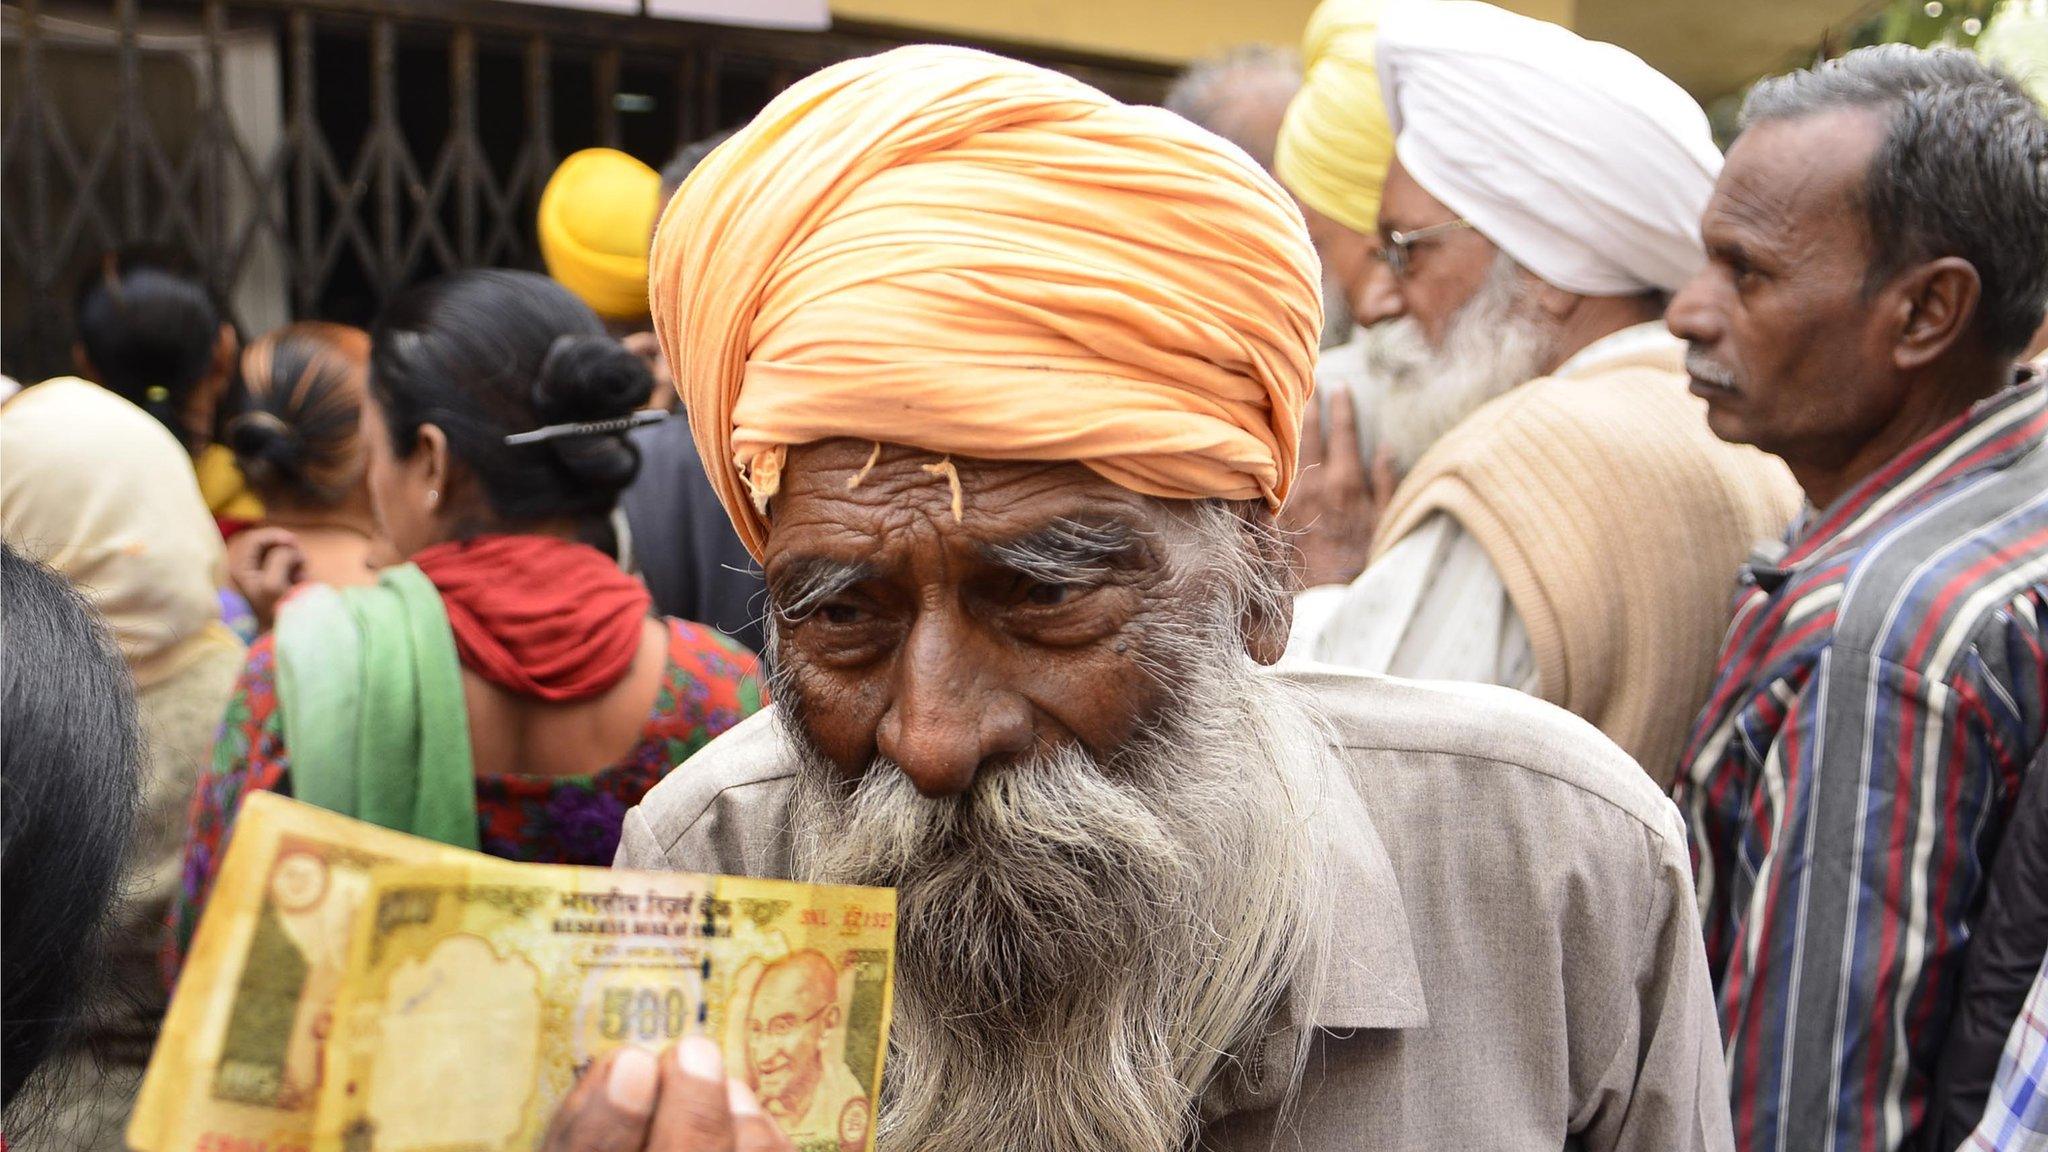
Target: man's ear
[1937,302]
[1555,303]
[1265,625]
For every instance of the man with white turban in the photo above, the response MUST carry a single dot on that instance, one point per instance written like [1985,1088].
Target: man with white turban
[1002,381]
[1509,206]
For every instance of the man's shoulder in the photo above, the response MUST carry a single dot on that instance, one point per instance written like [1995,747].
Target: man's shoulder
[739,780]
[1379,720]
[1613,408]
[1954,560]
[1605,444]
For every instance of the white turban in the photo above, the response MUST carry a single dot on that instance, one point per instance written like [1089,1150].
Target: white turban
[1587,166]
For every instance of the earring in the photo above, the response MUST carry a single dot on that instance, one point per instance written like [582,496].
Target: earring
[433,497]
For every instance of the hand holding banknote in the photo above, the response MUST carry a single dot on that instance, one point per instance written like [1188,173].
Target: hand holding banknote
[679,1101]
[355,990]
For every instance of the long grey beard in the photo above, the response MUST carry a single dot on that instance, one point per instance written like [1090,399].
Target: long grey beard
[1080,944]
[1494,343]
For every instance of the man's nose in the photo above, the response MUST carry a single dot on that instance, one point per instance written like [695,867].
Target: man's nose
[1691,315]
[951,712]
[1378,298]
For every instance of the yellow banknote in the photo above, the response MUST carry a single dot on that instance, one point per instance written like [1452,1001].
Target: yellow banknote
[478,992]
[242,1054]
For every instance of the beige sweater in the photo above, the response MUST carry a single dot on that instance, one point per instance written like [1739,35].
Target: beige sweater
[1618,523]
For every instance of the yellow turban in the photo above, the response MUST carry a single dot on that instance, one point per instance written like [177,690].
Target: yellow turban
[1336,141]
[948,250]
[595,216]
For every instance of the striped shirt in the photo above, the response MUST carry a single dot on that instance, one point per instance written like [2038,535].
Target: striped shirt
[2016,1119]
[1878,698]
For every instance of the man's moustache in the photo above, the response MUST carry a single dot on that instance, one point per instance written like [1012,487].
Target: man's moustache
[1707,371]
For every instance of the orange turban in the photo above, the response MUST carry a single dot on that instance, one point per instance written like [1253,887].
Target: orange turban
[956,252]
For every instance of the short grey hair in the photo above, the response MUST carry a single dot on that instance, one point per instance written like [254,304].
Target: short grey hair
[1210,92]
[1962,171]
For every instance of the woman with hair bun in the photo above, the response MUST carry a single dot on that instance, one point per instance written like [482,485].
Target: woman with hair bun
[151,333]
[297,437]
[505,687]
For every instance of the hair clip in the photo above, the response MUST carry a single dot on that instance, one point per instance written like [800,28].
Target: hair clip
[587,428]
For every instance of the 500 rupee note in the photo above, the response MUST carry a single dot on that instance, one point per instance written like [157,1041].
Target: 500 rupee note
[239,1063]
[478,992]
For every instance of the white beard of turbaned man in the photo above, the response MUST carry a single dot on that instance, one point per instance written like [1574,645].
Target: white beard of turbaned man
[1081,943]
[1495,342]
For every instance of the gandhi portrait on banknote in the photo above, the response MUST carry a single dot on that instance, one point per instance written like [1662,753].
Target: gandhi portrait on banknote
[793,1017]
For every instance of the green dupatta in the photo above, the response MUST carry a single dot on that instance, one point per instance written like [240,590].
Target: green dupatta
[369,691]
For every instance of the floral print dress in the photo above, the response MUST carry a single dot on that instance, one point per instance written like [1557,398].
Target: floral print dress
[710,684]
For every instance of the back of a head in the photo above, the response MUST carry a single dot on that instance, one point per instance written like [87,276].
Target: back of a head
[69,772]
[685,161]
[301,401]
[1962,170]
[487,354]
[1240,95]
[95,488]
[150,333]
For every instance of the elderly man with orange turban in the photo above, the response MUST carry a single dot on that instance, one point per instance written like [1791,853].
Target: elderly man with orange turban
[1002,382]
[1509,207]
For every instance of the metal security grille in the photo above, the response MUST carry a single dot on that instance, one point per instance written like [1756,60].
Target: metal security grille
[309,158]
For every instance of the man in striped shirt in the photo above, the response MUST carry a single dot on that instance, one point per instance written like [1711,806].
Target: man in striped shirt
[1878,248]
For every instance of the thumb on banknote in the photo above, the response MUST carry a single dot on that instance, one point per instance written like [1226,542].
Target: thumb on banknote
[702,1111]
[610,1108]
[634,1101]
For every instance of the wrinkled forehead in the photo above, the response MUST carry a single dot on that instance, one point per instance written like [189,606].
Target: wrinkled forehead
[898,508]
[1795,181]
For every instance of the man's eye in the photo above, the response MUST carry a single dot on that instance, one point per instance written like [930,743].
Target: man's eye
[1050,595]
[840,612]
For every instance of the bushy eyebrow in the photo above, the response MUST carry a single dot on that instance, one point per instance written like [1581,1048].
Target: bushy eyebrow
[805,584]
[1067,551]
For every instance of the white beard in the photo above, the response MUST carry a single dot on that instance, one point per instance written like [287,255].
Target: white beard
[1494,343]
[1081,943]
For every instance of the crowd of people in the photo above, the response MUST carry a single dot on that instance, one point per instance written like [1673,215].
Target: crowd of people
[1403,600]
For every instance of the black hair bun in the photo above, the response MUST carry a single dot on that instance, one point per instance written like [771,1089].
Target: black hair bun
[266,449]
[588,378]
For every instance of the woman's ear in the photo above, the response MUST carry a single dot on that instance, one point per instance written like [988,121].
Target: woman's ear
[432,449]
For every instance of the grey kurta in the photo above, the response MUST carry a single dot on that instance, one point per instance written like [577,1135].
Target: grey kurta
[1515,960]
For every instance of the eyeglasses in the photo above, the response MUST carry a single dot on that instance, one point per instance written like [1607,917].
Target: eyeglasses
[1398,252]
[784,1024]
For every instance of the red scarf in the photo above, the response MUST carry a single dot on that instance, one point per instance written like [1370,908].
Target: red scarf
[537,615]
